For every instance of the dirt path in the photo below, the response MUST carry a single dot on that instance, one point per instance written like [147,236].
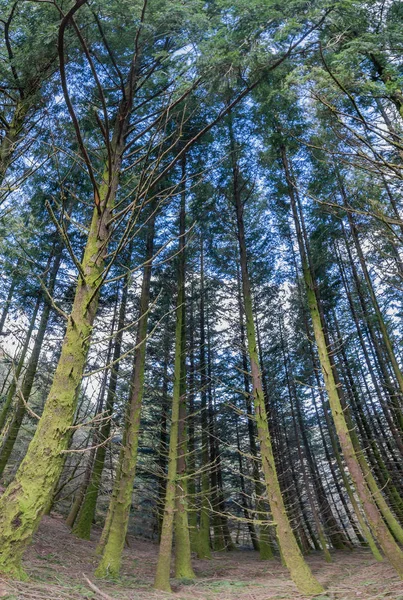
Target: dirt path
[58,564]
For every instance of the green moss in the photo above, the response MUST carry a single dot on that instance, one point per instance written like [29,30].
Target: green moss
[25,500]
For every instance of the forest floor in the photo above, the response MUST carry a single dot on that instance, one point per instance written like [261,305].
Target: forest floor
[61,567]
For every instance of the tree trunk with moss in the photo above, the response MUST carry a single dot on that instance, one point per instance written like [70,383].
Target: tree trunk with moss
[298,568]
[162,576]
[264,543]
[82,527]
[293,400]
[368,492]
[79,496]
[26,499]
[119,508]
[384,344]
[183,562]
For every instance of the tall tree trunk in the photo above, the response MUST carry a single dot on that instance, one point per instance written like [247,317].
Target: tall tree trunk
[203,547]
[264,544]
[355,460]
[162,575]
[386,341]
[163,438]
[119,507]
[192,510]
[25,500]
[222,537]
[244,496]
[298,568]
[183,562]
[292,392]
[82,527]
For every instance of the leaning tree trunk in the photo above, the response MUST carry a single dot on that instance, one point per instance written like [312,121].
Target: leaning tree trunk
[26,499]
[298,568]
[292,394]
[355,460]
[264,544]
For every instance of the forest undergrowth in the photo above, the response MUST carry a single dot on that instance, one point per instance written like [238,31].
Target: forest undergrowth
[61,567]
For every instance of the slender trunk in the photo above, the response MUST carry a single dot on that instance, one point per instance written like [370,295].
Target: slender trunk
[298,568]
[192,516]
[163,438]
[30,373]
[244,496]
[17,372]
[265,547]
[183,562]
[355,460]
[222,538]
[387,343]
[370,366]
[82,528]
[203,548]
[350,493]
[119,508]
[292,392]
[162,575]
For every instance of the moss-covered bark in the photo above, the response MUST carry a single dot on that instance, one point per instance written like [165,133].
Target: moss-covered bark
[122,496]
[354,462]
[162,575]
[82,527]
[25,500]
[292,556]
[298,568]
[368,492]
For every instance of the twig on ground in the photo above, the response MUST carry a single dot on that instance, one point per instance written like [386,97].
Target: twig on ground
[97,590]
